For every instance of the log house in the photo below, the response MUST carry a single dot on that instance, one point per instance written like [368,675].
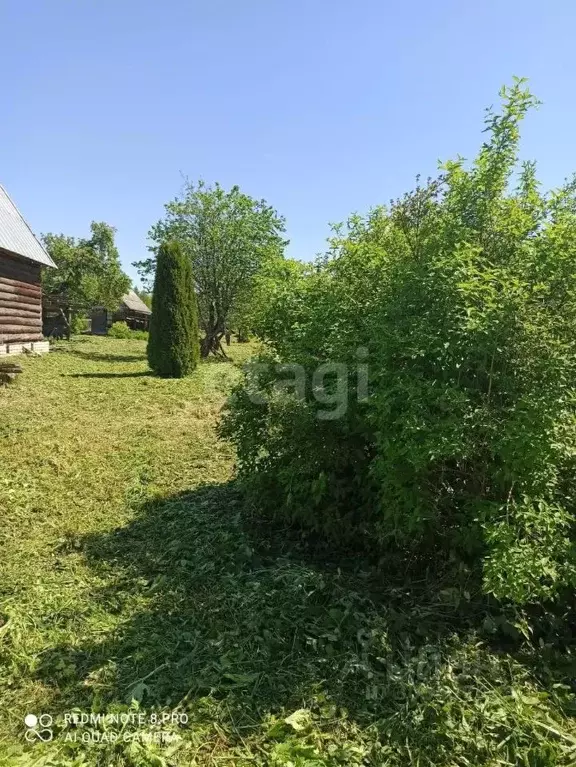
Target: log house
[22,258]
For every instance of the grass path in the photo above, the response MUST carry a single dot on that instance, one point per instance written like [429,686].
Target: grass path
[132,581]
[87,437]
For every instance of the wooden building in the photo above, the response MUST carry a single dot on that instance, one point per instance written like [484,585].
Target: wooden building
[22,258]
[132,310]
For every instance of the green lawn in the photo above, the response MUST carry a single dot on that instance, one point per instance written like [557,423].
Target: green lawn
[133,580]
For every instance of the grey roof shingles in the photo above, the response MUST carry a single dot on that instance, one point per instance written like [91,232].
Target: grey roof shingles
[135,303]
[15,234]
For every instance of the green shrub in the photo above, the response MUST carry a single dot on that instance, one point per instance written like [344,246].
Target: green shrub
[173,346]
[78,324]
[120,330]
[463,293]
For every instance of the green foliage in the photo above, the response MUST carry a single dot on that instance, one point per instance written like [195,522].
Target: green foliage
[89,271]
[173,345]
[228,237]
[254,307]
[121,330]
[463,294]
[174,593]
[78,324]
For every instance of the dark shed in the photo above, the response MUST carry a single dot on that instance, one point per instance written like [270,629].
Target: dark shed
[132,310]
[21,260]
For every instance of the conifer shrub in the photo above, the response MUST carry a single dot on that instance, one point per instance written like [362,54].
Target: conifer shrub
[463,295]
[173,344]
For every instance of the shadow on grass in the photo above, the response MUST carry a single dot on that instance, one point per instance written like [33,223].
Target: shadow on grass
[67,346]
[232,621]
[100,357]
[137,374]
[229,610]
[212,360]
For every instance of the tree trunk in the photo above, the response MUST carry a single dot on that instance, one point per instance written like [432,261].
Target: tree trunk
[242,336]
[66,318]
[212,342]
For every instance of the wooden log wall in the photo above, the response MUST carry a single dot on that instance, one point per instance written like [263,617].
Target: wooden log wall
[20,300]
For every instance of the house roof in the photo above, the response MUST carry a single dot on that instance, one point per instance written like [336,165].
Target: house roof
[135,303]
[15,234]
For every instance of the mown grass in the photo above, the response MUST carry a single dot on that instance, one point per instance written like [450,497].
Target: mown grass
[133,579]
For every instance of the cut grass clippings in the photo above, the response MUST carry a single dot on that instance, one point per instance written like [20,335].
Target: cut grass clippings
[134,585]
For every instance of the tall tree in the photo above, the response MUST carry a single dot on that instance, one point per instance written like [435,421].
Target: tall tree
[89,271]
[173,345]
[228,237]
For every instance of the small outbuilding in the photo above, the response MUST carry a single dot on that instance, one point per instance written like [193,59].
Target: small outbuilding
[22,258]
[132,310]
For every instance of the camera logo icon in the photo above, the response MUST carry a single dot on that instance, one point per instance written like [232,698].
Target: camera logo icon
[39,728]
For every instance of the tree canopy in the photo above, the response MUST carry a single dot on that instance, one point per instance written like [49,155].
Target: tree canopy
[229,237]
[89,271]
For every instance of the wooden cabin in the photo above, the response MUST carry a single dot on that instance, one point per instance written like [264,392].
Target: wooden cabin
[22,258]
[132,310]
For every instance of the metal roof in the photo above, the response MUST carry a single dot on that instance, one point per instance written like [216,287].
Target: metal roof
[15,234]
[135,303]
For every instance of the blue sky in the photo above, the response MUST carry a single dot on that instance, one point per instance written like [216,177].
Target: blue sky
[321,107]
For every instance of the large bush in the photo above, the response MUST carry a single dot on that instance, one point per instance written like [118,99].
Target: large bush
[460,300]
[121,330]
[173,344]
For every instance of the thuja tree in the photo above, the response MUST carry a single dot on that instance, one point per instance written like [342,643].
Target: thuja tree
[463,293]
[229,237]
[173,344]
